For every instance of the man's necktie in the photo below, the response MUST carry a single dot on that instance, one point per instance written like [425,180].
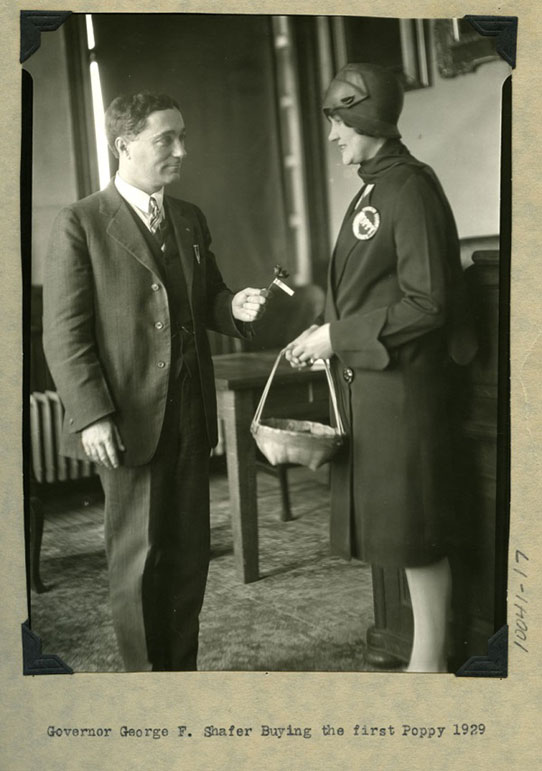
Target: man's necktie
[157,223]
[155,216]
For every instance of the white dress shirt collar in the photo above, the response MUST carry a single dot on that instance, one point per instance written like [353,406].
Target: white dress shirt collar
[137,198]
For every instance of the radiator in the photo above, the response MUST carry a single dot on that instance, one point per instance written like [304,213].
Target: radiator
[48,466]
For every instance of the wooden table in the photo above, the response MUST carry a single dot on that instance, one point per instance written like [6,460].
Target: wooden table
[240,379]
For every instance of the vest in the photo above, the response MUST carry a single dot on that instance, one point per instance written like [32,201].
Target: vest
[168,261]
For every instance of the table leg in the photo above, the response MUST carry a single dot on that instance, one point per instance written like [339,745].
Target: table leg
[237,410]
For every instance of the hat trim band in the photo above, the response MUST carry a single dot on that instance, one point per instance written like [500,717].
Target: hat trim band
[370,126]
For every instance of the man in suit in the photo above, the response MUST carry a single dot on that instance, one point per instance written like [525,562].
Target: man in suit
[131,286]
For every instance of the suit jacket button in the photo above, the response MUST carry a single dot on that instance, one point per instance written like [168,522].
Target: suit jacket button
[161,364]
[158,325]
[155,287]
[348,375]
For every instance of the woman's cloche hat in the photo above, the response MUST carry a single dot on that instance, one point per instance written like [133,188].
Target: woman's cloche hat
[367,97]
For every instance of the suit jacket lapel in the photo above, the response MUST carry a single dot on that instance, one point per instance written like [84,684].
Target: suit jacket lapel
[124,230]
[185,237]
[350,242]
[332,285]
[331,308]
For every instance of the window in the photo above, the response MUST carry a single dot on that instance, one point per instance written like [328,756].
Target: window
[104,170]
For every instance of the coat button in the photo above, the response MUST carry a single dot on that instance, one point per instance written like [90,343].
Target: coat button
[155,287]
[348,375]
[161,364]
[158,325]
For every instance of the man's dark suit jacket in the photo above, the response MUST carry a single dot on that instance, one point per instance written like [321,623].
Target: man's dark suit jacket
[107,321]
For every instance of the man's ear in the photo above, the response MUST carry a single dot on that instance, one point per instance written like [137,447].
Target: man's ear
[121,146]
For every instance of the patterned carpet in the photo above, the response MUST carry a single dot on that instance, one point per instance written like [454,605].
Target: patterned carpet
[308,612]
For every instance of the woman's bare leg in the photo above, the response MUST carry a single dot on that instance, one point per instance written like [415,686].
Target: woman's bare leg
[430,592]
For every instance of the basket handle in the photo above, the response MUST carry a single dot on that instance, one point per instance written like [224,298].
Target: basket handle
[333,395]
[331,384]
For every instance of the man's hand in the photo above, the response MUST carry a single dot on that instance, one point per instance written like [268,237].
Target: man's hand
[102,443]
[249,304]
[314,343]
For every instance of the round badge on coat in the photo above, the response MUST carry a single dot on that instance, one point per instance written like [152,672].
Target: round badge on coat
[366,223]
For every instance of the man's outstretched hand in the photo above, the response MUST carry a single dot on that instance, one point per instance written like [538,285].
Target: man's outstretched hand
[249,304]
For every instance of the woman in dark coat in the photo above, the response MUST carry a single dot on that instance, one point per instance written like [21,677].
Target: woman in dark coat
[395,318]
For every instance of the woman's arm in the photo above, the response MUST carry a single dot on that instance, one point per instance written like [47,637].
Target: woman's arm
[423,229]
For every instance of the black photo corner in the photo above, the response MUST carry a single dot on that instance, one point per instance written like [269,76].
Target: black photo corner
[478,628]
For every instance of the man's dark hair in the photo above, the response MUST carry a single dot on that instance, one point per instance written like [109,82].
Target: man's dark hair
[127,115]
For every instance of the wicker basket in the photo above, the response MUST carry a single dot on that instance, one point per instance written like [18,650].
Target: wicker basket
[303,442]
